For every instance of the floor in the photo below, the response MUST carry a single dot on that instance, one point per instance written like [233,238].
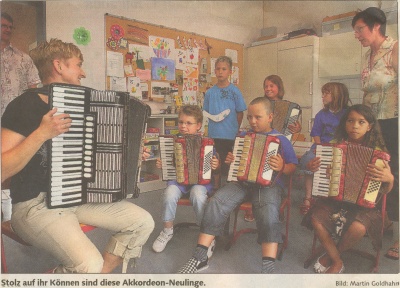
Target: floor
[243,258]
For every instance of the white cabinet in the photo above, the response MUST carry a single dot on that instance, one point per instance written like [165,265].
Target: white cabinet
[296,62]
[297,66]
[150,175]
[339,56]
[260,61]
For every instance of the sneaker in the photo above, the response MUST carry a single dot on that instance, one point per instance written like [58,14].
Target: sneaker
[193,266]
[211,249]
[161,241]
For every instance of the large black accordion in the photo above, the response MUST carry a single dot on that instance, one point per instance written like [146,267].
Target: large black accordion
[98,159]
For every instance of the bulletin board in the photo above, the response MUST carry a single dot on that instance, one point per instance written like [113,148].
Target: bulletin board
[164,65]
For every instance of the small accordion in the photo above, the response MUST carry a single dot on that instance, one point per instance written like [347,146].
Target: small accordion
[187,158]
[252,153]
[285,114]
[98,160]
[348,180]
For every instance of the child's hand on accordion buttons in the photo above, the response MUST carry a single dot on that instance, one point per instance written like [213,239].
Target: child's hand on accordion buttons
[276,162]
[295,127]
[229,158]
[313,165]
[381,174]
[158,163]
[214,163]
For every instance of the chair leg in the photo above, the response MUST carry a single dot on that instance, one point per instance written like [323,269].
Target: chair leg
[4,268]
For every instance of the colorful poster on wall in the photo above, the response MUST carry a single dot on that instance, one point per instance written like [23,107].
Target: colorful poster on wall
[180,59]
[162,47]
[192,56]
[134,87]
[143,75]
[162,69]
[189,91]
[191,71]
[140,52]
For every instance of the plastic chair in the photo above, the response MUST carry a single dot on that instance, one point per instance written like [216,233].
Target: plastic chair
[374,257]
[284,214]
[7,230]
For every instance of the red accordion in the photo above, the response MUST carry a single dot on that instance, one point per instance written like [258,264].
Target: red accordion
[192,155]
[252,153]
[348,180]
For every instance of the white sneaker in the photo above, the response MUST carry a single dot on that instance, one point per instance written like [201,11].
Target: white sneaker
[161,241]
[211,249]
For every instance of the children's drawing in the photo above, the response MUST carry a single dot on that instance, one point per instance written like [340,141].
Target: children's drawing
[138,34]
[180,59]
[162,47]
[191,71]
[117,32]
[140,52]
[192,56]
[162,69]
[134,87]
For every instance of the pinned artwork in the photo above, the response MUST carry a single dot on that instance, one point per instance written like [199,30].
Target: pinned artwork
[192,56]
[234,77]
[117,32]
[134,87]
[180,59]
[162,69]
[162,47]
[159,91]
[81,36]
[140,52]
[137,34]
[233,54]
[112,43]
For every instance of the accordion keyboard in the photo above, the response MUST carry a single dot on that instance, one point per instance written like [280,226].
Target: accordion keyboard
[72,150]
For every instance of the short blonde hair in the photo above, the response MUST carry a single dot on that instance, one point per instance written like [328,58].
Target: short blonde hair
[44,54]
[225,59]
[264,101]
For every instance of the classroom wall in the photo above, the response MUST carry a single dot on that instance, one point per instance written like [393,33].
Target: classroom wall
[309,14]
[238,21]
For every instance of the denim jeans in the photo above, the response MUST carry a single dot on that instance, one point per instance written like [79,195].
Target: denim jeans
[198,198]
[266,202]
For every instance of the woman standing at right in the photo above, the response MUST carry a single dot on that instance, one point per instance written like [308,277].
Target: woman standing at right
[379,78]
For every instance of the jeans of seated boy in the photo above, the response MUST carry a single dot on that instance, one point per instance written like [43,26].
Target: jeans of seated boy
[6,206]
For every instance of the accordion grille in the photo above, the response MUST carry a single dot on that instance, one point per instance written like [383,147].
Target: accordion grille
[356,165]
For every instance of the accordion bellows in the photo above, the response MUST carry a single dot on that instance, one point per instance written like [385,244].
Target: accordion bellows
[348,180]
[192,155]
[252,153]
[285,114]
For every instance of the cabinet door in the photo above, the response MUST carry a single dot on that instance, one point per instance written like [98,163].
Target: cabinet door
[339,55]
[260,61]
[295,66]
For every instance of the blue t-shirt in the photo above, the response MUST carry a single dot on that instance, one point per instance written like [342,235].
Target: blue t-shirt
[325,124]
[219,99]
[285,150]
